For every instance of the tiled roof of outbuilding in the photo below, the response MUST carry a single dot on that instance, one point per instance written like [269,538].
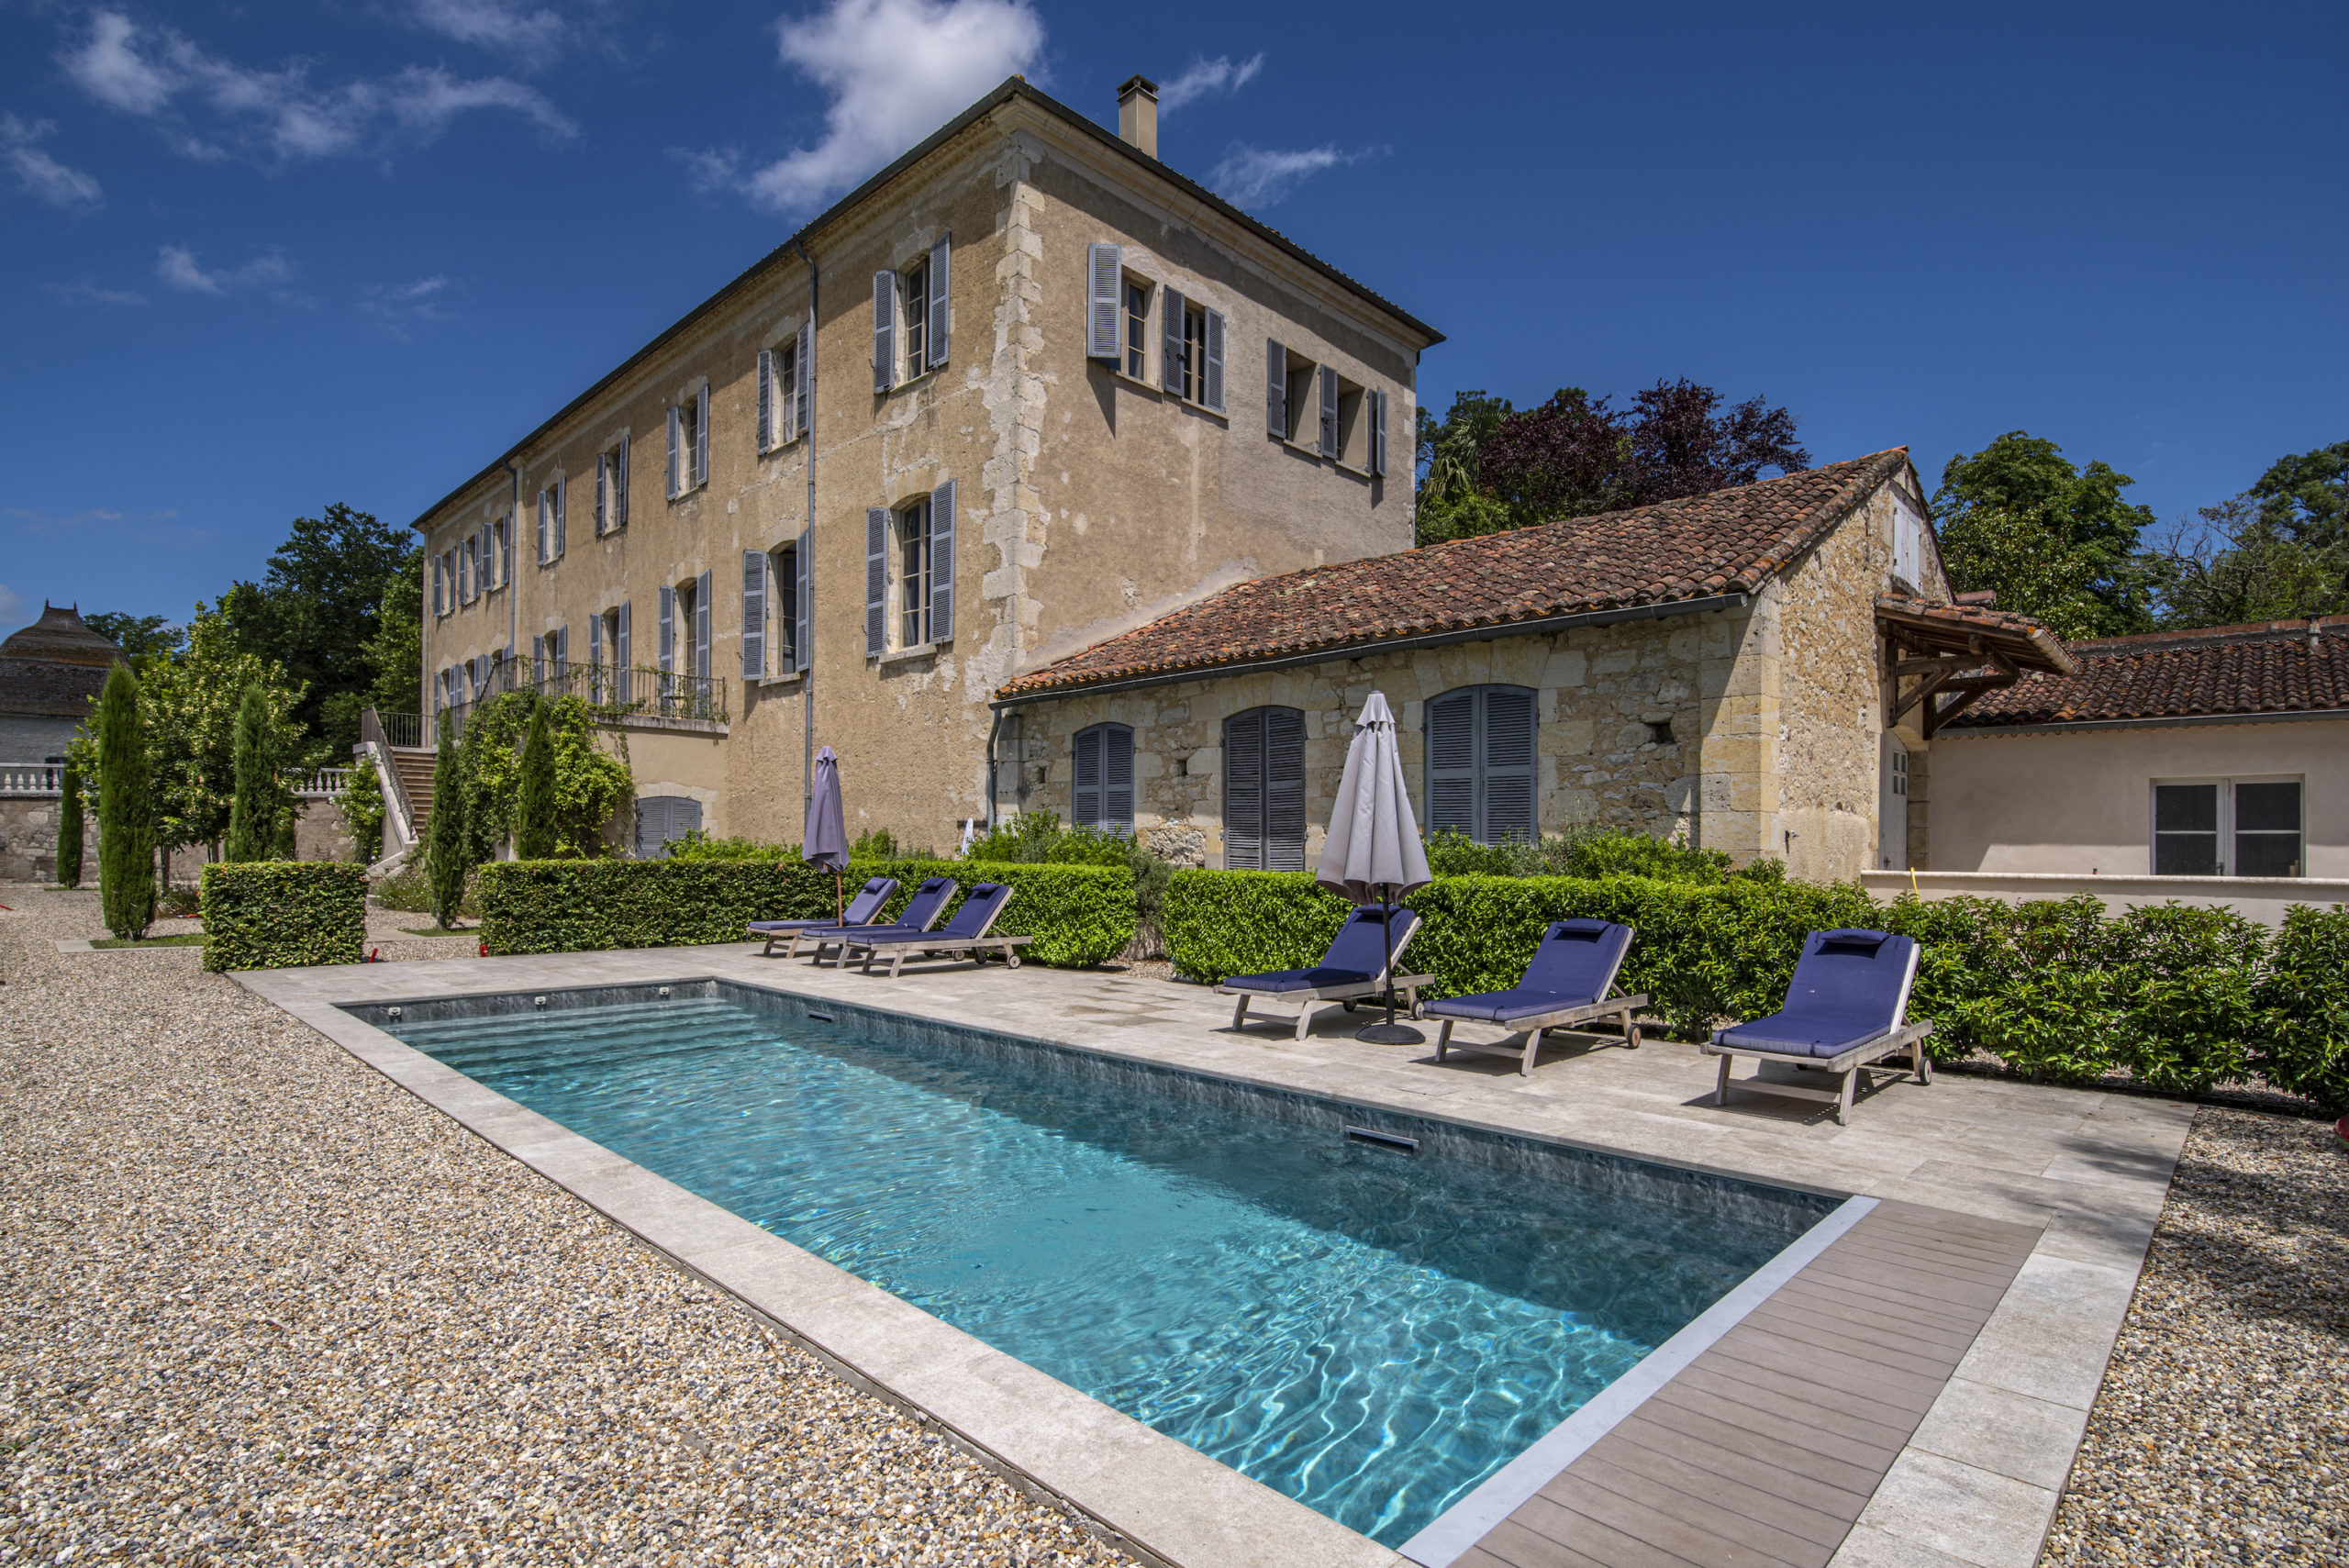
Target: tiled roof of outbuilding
[2271,667]
[1728,542]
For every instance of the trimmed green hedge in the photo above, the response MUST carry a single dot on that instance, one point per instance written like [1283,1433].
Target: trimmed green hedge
[1079,915]
[2183,999]
[281,913]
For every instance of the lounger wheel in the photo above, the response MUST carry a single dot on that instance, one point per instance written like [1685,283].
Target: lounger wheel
[1011,957]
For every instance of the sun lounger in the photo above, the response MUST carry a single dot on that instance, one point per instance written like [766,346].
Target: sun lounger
[1847,1010]
[1573,970]
[928,902]
[860,910]
[967,932]
[1353,968]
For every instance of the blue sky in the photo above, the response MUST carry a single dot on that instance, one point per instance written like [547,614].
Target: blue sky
[254,258]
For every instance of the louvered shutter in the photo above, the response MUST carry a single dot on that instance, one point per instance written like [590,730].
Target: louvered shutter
[802,373]
[1378,433]
[802,648]
[876,578]
[562,495]
[766,398]
[941,258]
[561,646]
[701,435]
[884,332]
[1171,352]
[754,614]
[941,563]
[435,584]
[1452,762]
[624,678]
[1118,778]
[596,658]
[1243,791]
[1329,412]
[1211,377]
[1509,760]
[668,643]
[603,494]
[619,499]
[701,626]
[543,556]
[1104,270]
[1284,789]
[538,662]
[1084,791]
[675,435]
[1277,390]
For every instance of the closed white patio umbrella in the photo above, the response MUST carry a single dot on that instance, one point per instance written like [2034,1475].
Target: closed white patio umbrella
[1372,854]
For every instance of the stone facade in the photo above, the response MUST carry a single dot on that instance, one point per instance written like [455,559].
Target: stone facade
[29,840]
[1086,500]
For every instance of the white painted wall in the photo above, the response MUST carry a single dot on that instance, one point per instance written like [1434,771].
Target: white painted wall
[2081,802]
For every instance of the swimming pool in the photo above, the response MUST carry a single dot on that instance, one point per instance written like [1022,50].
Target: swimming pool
[1370,1331]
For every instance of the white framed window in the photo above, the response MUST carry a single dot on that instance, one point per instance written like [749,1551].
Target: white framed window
[689,443]
[611,488]
[912,318]
[2230,826]
[783,390]
[550,520]
[909,573]
[1191,349]
[1137,333]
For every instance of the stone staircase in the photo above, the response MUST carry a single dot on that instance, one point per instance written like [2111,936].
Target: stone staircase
[415,767]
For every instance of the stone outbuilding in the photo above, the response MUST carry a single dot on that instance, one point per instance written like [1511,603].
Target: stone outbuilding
[51,672]
[1756,670]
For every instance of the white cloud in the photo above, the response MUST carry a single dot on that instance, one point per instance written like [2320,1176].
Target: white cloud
[37,171]
[88,293]
[396,307]
[154,73]
[535,36]
[895,70]
[177,267]
[1264,176]
[1205,76]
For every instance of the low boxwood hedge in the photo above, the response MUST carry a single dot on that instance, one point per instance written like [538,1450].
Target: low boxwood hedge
[2183,999]
[280,913]
[1079,915]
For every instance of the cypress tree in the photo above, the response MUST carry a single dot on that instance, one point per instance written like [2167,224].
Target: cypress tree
[534,828]
[126,809]
[68,830]
[446,858]
[252,810]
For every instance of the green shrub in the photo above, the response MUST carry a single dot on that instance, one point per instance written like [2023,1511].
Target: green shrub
[126,809]
[69,830]
[253,809]
[536,834]
[448,853]
[1036,838]
[363,810]
[2303,1001]
[276,914]
[698,845]
[1078,915]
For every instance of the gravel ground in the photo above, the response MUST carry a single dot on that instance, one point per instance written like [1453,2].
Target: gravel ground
[257,1305]
[2221,1433]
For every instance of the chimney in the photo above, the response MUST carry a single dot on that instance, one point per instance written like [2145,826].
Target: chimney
[1137,114]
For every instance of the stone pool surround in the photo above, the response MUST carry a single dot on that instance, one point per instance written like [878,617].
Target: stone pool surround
[1976,1483]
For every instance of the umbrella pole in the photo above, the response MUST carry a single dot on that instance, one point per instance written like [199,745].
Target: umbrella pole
[840,910]
[1390,1032]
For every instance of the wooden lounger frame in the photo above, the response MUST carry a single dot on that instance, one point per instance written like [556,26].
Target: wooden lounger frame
[1534,1024]
[1350,992]
[932,947]
[1846,1066]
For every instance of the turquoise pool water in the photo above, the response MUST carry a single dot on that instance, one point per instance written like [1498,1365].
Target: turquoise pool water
[1372,1333]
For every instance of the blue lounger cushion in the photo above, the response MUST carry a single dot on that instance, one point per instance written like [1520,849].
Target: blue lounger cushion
[861,909]
[977,913]
[1574,964]
[920,911]
[1356,955]
[1849,988]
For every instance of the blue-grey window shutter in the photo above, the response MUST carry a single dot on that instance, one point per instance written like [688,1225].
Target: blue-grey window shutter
[802,376]
[701,435]
[1243,791]
[675,435]
[1104,272]
[1277,390]
[1452,762]
[701,626]
[603,494]
[596,658]
[435,584]
[941,258]
[884,331]
[1508,763]
[802,648]
[619,499]
[1084,794]
[876,578]
[623,681]
[1171,348]
[1211,377]
[543,556]
[1284,789]
[1378,433]
[941,563]
[1118,778]
[766,398]
[1329,412]
[668,643]
[562,494]
[754,614]
[538,661]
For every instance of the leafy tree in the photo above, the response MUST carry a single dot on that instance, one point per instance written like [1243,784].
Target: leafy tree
[362,809]
[591,785]
[1449,505]
[534,822]
[447,848]
[126,809]
[139,637]
[69,830]
[254,807]
[190,705]
[395,654]
[2233,564]
[316,610]
[2305,496]
[2043,522]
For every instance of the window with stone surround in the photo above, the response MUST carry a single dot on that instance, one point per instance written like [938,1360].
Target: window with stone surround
[1263,790]
[1102,795]
[1481,758]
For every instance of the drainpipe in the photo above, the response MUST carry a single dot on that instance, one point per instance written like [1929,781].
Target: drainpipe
[995,728]
[513,552]
[808,567]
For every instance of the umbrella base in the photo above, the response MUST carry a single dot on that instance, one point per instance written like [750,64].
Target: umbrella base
[1391,1034]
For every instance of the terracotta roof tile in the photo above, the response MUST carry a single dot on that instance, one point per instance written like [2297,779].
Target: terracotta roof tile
[2275,667]
[1729,541]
